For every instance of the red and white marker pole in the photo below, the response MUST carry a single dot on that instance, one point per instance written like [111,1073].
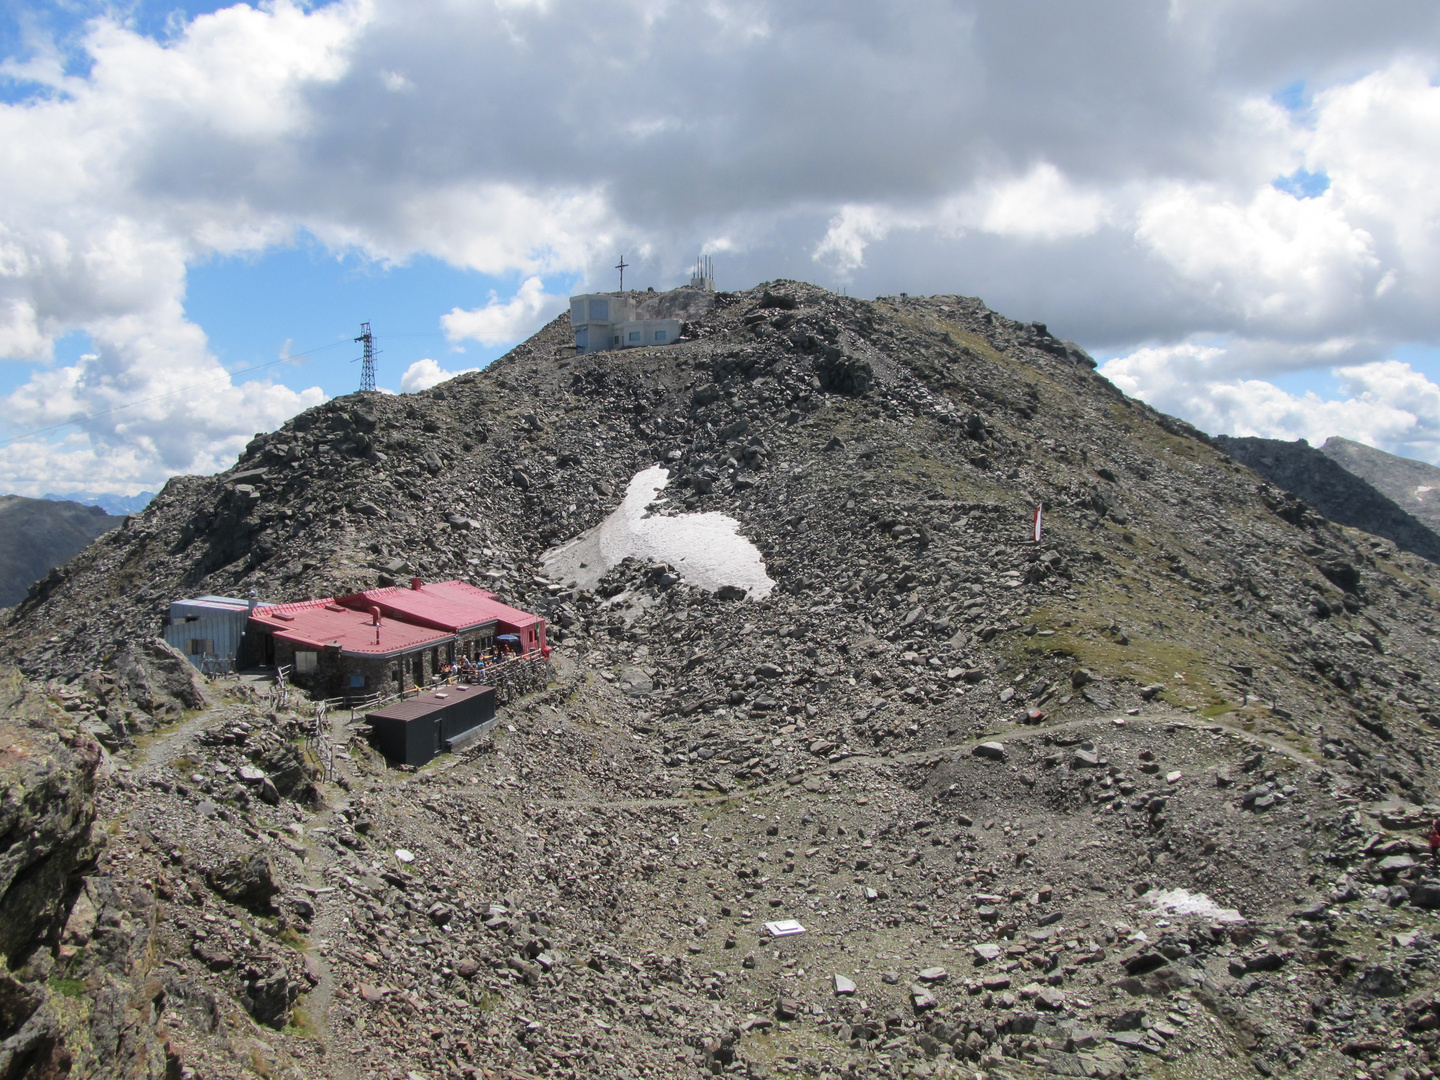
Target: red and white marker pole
[1039,514]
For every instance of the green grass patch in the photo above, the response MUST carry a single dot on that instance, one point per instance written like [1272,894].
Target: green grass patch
[70,988]
[290,936]
[300,1025]
[1146,660]
[146,739]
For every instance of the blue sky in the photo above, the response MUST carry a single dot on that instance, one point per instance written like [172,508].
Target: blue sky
[307,300]
[1231,206]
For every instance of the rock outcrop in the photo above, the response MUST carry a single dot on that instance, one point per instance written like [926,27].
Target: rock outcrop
[47,804]
[158,679]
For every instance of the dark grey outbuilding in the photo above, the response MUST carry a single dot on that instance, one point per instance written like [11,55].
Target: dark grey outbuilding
[414,731]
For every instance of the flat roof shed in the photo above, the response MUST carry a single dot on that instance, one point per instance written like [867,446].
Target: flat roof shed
[412,732]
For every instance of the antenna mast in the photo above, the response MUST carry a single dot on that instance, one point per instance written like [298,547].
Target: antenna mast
[367,367]
[704,276]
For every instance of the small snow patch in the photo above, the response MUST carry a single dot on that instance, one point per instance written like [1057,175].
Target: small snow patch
[1181,902]
[706,550]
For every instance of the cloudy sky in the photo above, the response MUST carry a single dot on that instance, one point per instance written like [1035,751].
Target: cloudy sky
[1234,205]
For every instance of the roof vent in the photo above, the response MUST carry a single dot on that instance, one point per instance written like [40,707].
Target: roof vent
[416,582]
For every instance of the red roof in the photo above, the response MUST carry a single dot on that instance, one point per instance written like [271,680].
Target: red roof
[447,605]
[318,623]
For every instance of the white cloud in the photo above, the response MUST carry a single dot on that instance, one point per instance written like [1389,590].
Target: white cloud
[500,322]
[1041,205]
[1275,260]
[423,374]
[1109,172]
[151,402]
[1386,403]
[850,232]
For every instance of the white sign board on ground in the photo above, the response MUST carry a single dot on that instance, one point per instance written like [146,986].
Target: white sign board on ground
[784,928]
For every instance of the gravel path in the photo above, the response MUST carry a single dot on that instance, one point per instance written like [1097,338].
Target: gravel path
[940,754]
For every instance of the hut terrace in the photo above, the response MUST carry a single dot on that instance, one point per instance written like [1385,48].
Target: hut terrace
[389,640]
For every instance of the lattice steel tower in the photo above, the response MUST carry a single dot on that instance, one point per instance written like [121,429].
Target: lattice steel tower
[367,367]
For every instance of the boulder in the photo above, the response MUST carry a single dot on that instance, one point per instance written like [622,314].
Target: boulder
[269,995]
[285,767]
[1425,894]
[158,678]
[247,879]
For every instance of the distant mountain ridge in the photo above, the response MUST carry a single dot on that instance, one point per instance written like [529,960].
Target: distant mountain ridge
[113,504]
[37,535]
[1413,485]
[1336,491]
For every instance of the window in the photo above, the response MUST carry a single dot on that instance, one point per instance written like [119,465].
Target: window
[305,661]
[199,646]
[659,335]
[357,681]
[599,310]
[634,335]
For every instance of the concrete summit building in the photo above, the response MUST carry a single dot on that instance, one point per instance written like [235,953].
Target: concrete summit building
[630,320]
[609,321]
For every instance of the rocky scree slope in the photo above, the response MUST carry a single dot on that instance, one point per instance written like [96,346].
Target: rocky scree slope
[1006,904]
[961,758]
[1324,483]
[885,458]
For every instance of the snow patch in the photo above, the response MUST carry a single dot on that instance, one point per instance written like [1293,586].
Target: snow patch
[706,550]
[1181,902]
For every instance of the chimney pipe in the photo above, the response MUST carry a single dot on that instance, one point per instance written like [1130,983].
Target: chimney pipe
[415,583]
[375,615]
